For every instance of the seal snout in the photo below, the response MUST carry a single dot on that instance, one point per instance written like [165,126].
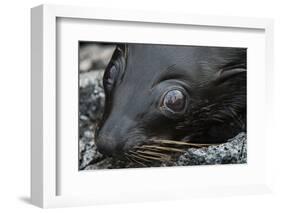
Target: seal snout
[106,145]
[112,136]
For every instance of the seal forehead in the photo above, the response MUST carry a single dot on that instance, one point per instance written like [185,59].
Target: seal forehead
[154,63]
[147,63]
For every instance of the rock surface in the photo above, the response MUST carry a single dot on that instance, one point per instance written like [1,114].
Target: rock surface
[232,152]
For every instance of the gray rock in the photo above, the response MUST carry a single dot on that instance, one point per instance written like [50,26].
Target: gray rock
[94,56]
[91,104]
[234,151]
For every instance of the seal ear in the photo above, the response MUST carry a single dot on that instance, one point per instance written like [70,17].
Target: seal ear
[120,54]
[122,48]
[225,74]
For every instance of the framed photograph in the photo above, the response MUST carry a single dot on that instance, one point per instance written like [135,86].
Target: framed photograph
[129,106]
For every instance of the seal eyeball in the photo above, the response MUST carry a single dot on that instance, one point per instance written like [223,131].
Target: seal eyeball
[173,102]
[162,99]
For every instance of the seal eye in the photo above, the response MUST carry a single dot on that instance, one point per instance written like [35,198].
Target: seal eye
[174,100]
[109,77]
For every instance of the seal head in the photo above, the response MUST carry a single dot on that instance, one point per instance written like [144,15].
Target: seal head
[182,93]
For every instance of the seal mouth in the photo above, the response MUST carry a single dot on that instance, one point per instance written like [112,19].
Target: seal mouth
[159,151]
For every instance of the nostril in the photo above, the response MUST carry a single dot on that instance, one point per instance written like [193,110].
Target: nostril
[105,146]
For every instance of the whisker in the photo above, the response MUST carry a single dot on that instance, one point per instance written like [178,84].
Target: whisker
[136,161]
[128,157]
[151,153]
[162,148]
[182,143]
[145,156]
[161,159]
[140,158]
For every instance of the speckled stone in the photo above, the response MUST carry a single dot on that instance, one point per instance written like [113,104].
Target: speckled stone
[234,151]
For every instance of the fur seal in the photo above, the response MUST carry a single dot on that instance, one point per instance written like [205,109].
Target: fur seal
[162,97]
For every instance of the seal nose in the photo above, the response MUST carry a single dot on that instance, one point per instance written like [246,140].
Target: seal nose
[105,145]
[112,135]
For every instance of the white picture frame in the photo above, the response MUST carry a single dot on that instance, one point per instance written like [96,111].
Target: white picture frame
[45,157]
